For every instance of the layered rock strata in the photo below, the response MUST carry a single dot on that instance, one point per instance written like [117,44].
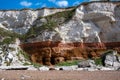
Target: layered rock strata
[93,29]
[56,35]
[54,52]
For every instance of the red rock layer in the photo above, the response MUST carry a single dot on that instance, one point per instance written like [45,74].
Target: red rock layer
[49,52]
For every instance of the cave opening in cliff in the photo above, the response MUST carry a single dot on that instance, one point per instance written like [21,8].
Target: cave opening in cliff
[52,61]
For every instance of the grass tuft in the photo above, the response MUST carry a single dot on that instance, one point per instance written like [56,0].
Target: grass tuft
[68,63]
[98,61]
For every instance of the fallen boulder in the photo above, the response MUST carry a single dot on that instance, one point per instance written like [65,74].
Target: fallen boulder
[111,59]
[86,63]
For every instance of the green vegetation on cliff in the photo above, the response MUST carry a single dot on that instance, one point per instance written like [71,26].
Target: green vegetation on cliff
[8,36]
[8,33]
[98,61]
[68,63]
[27,60]
[52,21]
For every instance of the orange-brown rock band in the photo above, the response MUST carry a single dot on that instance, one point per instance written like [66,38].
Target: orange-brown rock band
[48,52]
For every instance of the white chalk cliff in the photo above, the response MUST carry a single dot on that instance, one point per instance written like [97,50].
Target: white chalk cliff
[92,22]
[21,20]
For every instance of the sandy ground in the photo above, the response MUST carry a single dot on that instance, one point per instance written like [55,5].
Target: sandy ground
[59,75]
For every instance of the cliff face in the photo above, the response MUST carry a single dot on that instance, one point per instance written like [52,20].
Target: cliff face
[56,35]
[21,20]
[93,22]
[92,29]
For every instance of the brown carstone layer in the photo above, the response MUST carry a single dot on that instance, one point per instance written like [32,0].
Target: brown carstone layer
[74,44]
[49,52]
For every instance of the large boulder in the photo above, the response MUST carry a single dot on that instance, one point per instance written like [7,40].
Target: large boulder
[111,59]
[86,63]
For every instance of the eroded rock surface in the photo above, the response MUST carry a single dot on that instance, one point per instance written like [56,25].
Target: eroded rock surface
[54,52]
[92,22]
[57,35]
[93,29]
